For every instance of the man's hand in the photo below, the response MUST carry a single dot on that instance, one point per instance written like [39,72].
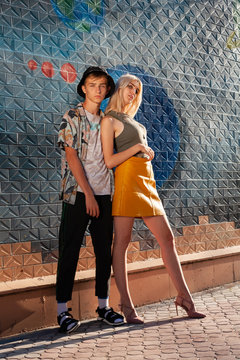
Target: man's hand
[76,167]
[92,208]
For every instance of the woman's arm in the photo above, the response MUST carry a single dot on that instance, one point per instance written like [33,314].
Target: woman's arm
[107,136]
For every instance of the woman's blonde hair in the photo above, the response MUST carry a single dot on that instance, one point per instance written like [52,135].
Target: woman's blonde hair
[116,100]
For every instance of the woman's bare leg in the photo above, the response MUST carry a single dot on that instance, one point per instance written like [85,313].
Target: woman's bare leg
[122,236]
[161,229]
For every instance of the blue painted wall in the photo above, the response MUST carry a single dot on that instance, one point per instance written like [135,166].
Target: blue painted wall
[191,105]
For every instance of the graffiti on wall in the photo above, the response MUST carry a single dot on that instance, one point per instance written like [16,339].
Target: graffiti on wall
[78,14]
[233,40]
[162,126]
[68,71]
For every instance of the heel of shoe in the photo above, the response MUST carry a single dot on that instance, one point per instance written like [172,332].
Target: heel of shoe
[176,304]
[188,306]
[130,315]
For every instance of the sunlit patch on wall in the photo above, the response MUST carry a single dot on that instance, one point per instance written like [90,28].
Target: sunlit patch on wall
[233,40]
[79,15]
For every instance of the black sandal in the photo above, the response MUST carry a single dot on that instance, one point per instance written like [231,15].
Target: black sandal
[69,320]
[109,316]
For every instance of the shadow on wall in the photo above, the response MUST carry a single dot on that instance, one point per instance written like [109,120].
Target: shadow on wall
[157,114]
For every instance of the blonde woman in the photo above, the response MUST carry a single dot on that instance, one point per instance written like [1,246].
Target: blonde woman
[135,193]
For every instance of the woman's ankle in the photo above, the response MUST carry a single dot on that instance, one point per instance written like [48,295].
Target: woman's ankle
[185,296]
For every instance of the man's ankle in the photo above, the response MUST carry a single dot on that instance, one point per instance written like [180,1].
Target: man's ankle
[103,302]
[61,307]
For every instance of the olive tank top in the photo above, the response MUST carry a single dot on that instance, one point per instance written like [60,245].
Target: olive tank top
[132,134]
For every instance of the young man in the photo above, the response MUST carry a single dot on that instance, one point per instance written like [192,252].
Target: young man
[85,191]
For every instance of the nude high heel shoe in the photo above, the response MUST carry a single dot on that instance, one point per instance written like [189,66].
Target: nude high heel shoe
[130,315]
[188,306]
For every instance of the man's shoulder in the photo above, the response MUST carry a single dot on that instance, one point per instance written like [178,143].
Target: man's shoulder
[75,112]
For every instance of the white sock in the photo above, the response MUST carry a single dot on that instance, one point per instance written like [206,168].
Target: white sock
[102,303]
[61,307]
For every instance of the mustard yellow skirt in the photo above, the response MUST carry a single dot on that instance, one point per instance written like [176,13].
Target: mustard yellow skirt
[135,192]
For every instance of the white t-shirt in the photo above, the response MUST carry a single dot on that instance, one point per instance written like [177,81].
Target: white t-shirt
[95,169]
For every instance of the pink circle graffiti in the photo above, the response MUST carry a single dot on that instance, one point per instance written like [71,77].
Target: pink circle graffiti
[68,72]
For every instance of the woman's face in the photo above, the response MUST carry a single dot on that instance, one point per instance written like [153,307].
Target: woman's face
[130,92]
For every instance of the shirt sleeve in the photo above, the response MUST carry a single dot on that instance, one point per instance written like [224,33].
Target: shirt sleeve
[67,135]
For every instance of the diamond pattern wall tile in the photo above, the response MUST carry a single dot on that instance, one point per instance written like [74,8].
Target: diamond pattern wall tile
[4,235]
[25,210]
[5,249]
[190,108]
[12,261]
[18,224]
[43,270]
[5,224]
[39,246]
[49,257]
[6,274]
[31,235]
[32,259]
[21,248]
[46,233]
[23,272]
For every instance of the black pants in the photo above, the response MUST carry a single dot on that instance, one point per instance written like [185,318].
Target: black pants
[73,226]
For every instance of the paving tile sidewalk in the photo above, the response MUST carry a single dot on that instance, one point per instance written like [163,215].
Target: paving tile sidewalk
[162,336]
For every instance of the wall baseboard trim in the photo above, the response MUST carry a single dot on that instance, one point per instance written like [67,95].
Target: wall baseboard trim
[34,303]
[9,287]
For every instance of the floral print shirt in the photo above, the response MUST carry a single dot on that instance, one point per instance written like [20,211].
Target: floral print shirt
[74,132]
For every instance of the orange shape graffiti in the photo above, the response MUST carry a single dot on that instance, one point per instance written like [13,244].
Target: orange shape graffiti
[68,73]
[32,65]
[47,69]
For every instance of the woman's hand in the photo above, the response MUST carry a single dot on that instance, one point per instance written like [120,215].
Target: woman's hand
[146,150]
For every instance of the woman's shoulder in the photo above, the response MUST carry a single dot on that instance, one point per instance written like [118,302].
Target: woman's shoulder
[110,116]
[110,122]
[107,120]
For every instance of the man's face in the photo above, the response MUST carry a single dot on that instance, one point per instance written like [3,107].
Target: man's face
[95,88]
